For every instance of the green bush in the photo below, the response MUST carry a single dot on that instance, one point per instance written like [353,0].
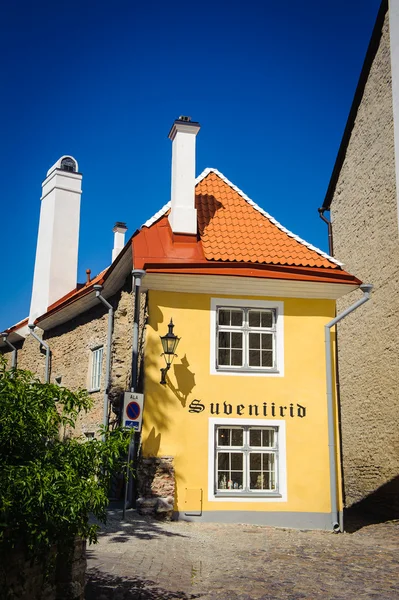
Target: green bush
[49,482]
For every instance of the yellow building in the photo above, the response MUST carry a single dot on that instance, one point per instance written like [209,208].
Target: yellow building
[242,410]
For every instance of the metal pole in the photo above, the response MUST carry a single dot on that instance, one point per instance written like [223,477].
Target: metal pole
[366,289]
[137,275]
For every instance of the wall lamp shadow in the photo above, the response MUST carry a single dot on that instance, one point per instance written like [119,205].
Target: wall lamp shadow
[169,345]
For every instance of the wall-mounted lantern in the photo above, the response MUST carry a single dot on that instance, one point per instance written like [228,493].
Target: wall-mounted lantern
[169,345]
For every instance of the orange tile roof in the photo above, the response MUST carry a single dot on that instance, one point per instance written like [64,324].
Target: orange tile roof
[233,228]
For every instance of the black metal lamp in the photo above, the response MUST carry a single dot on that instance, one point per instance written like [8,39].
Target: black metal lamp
[169,345]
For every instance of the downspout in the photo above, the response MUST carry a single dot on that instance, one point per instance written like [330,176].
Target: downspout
[366,289]
[329,227]
[98,289]
[47,347]
[13,348]
[137,275]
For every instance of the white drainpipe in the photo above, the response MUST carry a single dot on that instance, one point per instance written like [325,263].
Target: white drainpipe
[98,288]
[47,348]
[332,442]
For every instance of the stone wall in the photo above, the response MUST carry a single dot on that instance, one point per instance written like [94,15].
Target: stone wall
[62,577]
[71,346]
[156,486]
[365,230]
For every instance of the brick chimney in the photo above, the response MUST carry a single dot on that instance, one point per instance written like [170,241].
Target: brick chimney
[183,214]
[56,261]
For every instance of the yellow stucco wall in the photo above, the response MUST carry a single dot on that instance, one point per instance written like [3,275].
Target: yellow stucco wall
[169,429]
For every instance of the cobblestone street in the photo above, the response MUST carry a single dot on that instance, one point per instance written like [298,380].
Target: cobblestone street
[149,560]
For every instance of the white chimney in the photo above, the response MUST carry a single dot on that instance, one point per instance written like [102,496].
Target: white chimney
[56,261]
[183,214]
[119,238]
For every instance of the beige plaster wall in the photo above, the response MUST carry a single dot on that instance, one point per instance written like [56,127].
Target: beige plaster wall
[365,230]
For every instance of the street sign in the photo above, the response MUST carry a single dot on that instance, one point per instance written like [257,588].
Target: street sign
[133,410]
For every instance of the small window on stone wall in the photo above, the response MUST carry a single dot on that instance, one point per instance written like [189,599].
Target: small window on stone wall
[96,368]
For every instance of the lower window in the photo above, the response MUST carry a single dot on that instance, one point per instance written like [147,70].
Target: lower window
[246,459]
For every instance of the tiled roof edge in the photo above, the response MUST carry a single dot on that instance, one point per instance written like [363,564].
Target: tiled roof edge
[265,214]
[204,174]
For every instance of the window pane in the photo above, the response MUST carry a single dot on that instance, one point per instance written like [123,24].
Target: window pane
[254,318]
[269,481]
[268,462]
[236,461]
[267,319]
[267,358]
[224,317]
[224,437]
[255,463]
[256,480]
[237,318]
[237,437]
[223,477]
[255,437]
[224,357]
[223,461]
[224,339]
[254,341]
[268,438]
[254,358]
[267,341]
[236,358]
[236,480]
[236,340]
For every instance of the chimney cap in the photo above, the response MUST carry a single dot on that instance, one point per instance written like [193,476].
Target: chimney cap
[65,163]
[119,227]
[183,124]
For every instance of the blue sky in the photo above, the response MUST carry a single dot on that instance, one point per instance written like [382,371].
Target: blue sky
[270,82]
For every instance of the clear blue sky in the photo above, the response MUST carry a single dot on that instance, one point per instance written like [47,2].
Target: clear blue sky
[270,82]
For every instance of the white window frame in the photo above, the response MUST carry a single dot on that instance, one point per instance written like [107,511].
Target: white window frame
[278,308]
[280,495]
[96,368]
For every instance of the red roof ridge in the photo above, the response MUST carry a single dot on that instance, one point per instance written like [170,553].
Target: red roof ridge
[209,170]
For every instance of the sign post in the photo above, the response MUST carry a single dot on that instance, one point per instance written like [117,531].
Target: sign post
[132,419]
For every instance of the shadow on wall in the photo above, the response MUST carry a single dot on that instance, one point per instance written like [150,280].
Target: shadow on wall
[185,380]
[380,506]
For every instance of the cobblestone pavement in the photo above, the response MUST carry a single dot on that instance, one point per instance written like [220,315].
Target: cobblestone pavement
[145,559]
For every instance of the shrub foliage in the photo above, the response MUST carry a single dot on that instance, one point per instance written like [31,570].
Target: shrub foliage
[50,482]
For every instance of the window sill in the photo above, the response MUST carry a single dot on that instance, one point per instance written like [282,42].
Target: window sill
[248,373]
[94,390]
[246,495]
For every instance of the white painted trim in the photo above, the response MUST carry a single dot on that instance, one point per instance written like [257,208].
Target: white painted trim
[206,172]
[282,458]
[242,303]
[230,285]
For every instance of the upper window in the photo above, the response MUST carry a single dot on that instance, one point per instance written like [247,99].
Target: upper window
[247,336]
[96,368]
